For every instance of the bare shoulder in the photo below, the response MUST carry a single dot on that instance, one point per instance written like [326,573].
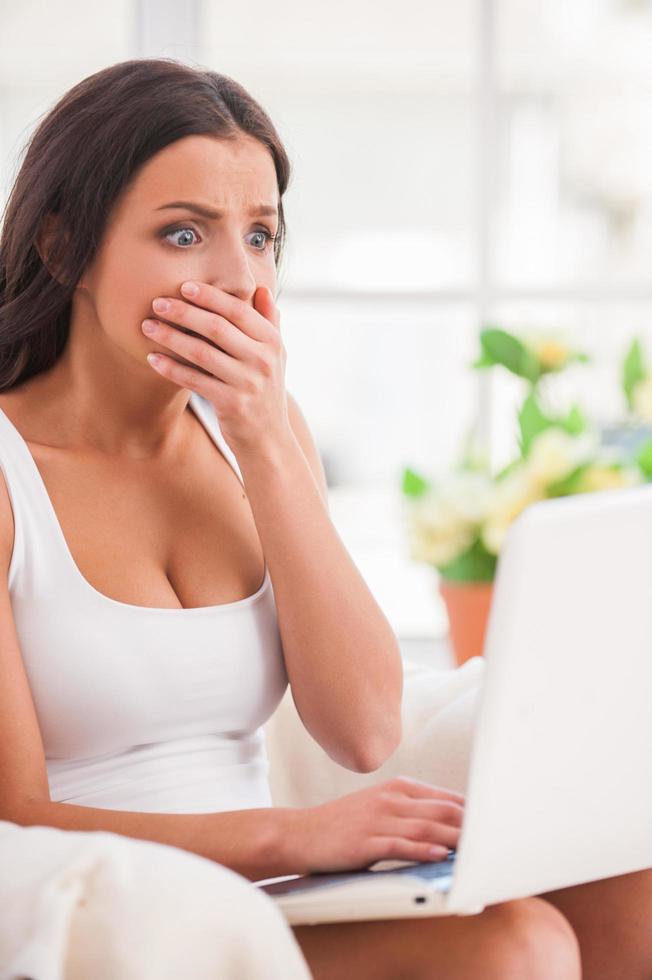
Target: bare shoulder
[308,445]
[22,757]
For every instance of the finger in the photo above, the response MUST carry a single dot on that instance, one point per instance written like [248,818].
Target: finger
[400,849]
[196,352]
[211,327]
[187,377]
[429,830]
[444,811]
[237,312]
[417,788]
[264,304]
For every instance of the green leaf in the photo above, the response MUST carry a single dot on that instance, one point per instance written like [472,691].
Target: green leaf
[483,361]
[532,422]
[474,565]
[569,483]
[506,470]
[505,349]
[643,457]
[574,423]
[634,370]
[412,484]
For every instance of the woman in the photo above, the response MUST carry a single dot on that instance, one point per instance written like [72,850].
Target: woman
[161,594]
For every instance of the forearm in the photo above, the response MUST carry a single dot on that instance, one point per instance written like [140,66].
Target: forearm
[255,843]
[342,656]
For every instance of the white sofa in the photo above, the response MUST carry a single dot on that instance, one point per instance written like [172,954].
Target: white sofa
[75,905]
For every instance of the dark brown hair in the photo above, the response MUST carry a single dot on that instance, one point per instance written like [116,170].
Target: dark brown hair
[78,161]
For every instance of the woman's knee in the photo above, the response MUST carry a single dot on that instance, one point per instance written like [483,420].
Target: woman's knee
[539,942]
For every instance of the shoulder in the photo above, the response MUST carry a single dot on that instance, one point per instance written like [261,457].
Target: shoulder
[306,440]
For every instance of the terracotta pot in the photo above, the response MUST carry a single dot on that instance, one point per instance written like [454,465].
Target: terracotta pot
[467,605]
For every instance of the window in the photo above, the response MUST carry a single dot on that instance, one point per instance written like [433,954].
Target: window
[455,164]
[44,52]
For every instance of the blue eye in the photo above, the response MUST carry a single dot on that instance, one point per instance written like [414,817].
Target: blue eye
[269,238]
[175,231]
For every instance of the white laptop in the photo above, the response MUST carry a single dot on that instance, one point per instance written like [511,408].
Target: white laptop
[560,779]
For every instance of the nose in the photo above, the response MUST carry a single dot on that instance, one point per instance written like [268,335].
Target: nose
[231,271]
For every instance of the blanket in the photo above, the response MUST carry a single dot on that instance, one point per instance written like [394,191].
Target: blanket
[82,904]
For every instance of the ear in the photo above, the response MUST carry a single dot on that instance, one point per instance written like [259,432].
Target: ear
[47,241]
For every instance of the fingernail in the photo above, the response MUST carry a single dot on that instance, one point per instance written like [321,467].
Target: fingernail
[190,288]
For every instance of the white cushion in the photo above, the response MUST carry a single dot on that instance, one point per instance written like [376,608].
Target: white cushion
[438,713]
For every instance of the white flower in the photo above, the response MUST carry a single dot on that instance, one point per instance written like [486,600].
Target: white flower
[436,533]
[601,477]
[551,350]
[444,522]
[511,495]
[467,493]
[642,399]
[554,454]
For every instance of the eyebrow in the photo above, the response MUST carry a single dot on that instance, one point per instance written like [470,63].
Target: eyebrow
[257,210]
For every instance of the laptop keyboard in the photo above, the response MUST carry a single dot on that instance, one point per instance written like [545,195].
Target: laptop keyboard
[428,870]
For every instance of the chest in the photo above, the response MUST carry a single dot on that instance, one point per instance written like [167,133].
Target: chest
[153,535]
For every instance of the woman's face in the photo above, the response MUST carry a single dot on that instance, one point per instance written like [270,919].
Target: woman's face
[149,248]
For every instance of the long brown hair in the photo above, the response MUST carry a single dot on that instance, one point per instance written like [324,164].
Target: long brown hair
[77,162]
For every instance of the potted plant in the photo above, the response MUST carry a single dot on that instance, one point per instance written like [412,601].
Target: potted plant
[457,522]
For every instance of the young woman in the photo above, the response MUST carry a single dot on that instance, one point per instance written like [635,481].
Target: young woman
[168,562]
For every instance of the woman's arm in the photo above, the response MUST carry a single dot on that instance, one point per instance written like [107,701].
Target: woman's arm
[256,843]
[273,842]
[342,656]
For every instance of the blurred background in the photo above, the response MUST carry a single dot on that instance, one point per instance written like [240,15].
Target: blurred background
[456,164]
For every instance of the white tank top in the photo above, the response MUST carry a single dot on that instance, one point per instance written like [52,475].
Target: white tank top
[140,708]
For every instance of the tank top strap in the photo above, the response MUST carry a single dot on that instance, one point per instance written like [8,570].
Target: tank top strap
[207,414]
[206,410]
[38,536]
[30,503]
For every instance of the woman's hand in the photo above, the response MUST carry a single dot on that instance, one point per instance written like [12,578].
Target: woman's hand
[400,819]
[237,361]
